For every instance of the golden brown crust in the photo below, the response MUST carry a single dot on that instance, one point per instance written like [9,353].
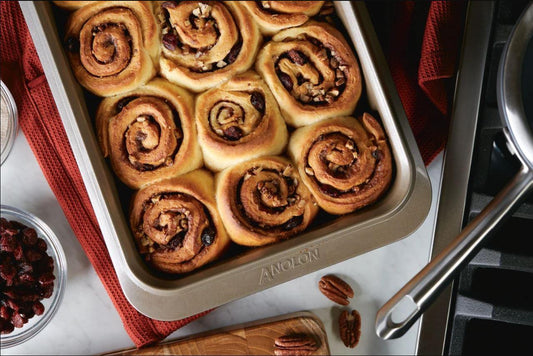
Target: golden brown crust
[346,163]
[113,45]
[262,201]
[205,44]
[312,72]
[238,121]
[273,16]
[138,131]
[176,224]
[72,5]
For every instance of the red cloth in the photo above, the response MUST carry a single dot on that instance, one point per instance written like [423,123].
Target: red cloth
[41,124]
[424,94]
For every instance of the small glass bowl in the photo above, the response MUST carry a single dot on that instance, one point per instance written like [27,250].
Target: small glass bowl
[38,322]
[10,121]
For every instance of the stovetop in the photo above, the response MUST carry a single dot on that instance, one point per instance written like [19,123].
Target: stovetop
[492,303]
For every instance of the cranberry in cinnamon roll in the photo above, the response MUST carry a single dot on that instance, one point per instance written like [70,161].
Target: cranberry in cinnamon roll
[346,163]
[273,16]
[112,45]
[238,121]
[262,201]
[312,72]
[205,43]
[149,133]
[176,225]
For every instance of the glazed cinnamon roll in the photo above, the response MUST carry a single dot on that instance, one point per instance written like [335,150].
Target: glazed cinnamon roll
[238,121]
[176,225]
[205,43]
[312,72]
[72,5]
[346,163]
[149,133]
[262,201]
[273,16]
[112,45]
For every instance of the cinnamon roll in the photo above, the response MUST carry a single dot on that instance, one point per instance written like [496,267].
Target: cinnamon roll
[273,16]
[205,43]
[346,163]
[312,72]
[176,225]
[238,121]
[149,133]
[262,201]
[72,5]
[113,45]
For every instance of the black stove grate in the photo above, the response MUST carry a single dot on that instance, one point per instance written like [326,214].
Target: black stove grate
[492,308]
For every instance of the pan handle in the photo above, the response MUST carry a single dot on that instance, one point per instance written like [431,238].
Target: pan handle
[397,315]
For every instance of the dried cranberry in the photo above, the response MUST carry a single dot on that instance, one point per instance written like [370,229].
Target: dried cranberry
[7,327]
[169,5]
[258,101]
[46,278]
[297,57]
[26,278]
[73,45]
[233,53]
[8,243]
[41,244]
[48,290]
[208,236]
[293,222]
[5,312]
[285,80]
[170,41]
[18,320]
[233,133]
[29,236]
[18,253]
[13,305]
[329,190]
[38,308]
[33,255]
[7,271]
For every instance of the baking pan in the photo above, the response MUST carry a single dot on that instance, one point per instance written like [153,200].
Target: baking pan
[395,216]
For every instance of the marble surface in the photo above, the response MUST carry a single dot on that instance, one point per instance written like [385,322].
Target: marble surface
[87,323]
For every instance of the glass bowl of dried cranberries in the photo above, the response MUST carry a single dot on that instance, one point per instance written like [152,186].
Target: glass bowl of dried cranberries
[33,272]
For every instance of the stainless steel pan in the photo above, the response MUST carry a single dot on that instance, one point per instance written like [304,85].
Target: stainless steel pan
[515,102]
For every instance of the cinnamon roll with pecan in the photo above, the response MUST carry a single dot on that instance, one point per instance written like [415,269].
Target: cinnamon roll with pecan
[273,16]
[72,5]
[205,43]
[149,133]
[176,225]
[312,72]
[112,45]
[262,201]
[346,163]
[238,121]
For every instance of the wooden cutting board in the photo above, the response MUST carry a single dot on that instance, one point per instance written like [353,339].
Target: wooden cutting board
[255,338]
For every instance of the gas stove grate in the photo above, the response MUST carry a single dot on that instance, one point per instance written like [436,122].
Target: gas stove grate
[492,307]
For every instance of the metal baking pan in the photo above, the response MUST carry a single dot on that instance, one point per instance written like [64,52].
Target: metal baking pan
[395,216]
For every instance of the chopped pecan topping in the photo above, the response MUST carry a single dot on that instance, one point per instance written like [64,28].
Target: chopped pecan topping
[335,289]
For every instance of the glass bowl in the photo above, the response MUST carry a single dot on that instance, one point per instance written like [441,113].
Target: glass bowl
[9,122]
[38,322]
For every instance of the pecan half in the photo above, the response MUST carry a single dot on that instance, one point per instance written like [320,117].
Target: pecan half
[350,328]
[295,344]
[335,289]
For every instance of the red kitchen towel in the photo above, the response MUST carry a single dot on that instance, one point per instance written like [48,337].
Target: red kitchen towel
[41,124]
[421,78]
[421,41]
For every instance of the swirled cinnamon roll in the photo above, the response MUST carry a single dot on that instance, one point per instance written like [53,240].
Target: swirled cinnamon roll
[346,163]
[72,5]
[149,133]
[262,201]
[112,45]
[205,43]
[312,72]
[273,16]
[238,121]
[176,225]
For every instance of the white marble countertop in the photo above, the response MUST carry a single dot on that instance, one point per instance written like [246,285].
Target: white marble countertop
[87,323]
